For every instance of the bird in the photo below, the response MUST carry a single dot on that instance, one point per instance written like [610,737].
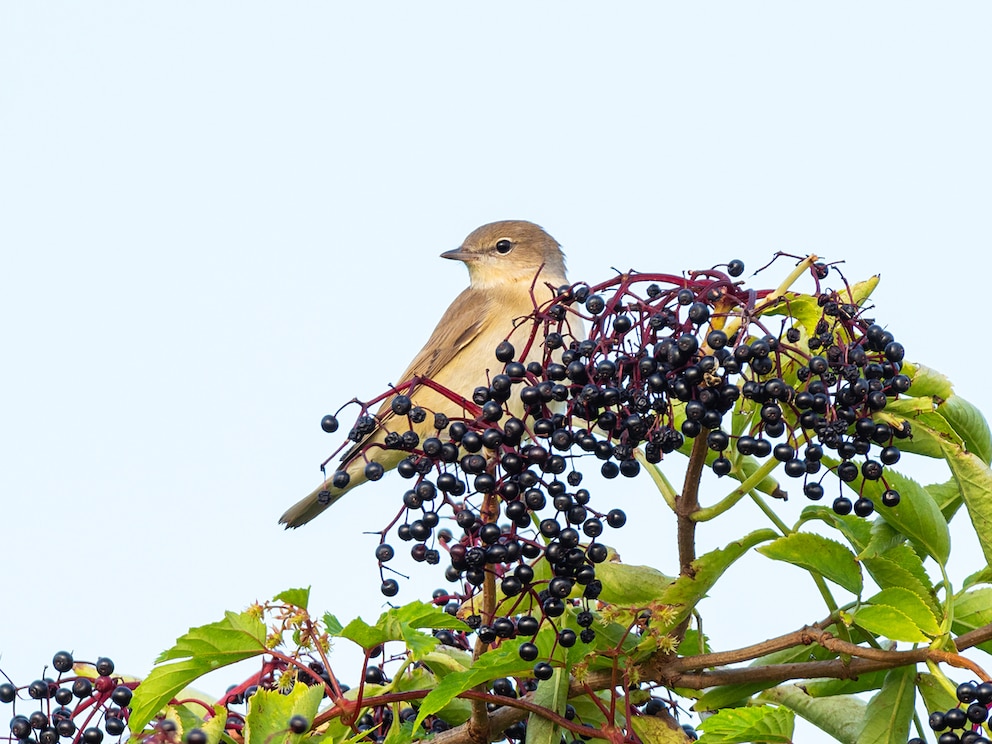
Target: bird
[509,263]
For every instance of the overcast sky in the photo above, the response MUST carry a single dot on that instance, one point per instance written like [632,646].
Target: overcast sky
[220,221]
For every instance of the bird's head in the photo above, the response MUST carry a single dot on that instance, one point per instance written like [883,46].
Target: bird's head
[510,252]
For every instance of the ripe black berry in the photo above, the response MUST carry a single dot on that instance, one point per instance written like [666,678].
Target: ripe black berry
[390,588]
[328,423]
[842,505]
[616,518]
[543,670]
[528,651]
[7,693]
[121,695]
[62,661]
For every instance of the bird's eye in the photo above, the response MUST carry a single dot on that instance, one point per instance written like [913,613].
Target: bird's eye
[504,246]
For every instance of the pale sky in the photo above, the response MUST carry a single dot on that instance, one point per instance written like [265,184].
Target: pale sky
[219,222]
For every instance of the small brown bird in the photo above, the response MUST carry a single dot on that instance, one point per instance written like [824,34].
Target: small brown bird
[509,263]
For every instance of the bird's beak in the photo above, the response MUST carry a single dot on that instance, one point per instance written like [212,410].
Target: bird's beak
[459,255]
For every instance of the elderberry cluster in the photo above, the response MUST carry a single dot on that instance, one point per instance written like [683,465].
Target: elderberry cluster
[962,724]
[626,371]
[83,704]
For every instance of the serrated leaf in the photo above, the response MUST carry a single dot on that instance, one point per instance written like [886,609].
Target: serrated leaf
[983,576]
[910,604]
[862,290]
[975,480]
[854,528]
[446,659]
[686,591]
[935,694]
[201,650]
[814,552]
[884,537]
[972,610]
[551,694]
[927,381]
[840,716]
[888,622]
[503,661]
[296,597]
[630,585]
[890,569]
[802,307]
[948,497]
[333,625]
[269,712]
[929,430]
[969,424]
[653,730]
[890,712]
[405,624]
[916,515]
[756,724]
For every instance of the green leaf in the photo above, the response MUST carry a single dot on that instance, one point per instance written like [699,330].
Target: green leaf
[333,625]
[929,430]
[201,650]
[975,480]
[551,694]
[969,424]
[839,716]
[901,566]
[742,725]
[296,597]
[269,712]
[856,529]
[803,308]
[917,515]
[948,497]
[504,661]
[911,605]
[972,610]
[934,692]
[888,622]
[984,576]
[403,624]
[686,591]
[928,382]
[813,552]
[839,687]
[652,730]
[630,585]
[890,711]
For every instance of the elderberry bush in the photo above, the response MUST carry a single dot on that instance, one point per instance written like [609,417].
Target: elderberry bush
[632,370]
[963,724]
[85,703]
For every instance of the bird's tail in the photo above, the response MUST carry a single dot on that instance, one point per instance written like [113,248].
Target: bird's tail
[307,508]
[326,494]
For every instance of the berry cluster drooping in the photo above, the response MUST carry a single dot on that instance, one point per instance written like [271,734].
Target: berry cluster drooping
[83,704]
[621,373]
[962,724]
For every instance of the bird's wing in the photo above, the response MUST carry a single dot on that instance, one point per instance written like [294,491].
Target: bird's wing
[461,324]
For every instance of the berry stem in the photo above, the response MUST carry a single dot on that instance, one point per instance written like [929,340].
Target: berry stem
[687,505]
[665,487]
[707,513]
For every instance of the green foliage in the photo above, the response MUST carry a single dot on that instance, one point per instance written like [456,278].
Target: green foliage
[887,596]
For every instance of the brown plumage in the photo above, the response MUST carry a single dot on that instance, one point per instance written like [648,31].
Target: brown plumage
[509,263]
